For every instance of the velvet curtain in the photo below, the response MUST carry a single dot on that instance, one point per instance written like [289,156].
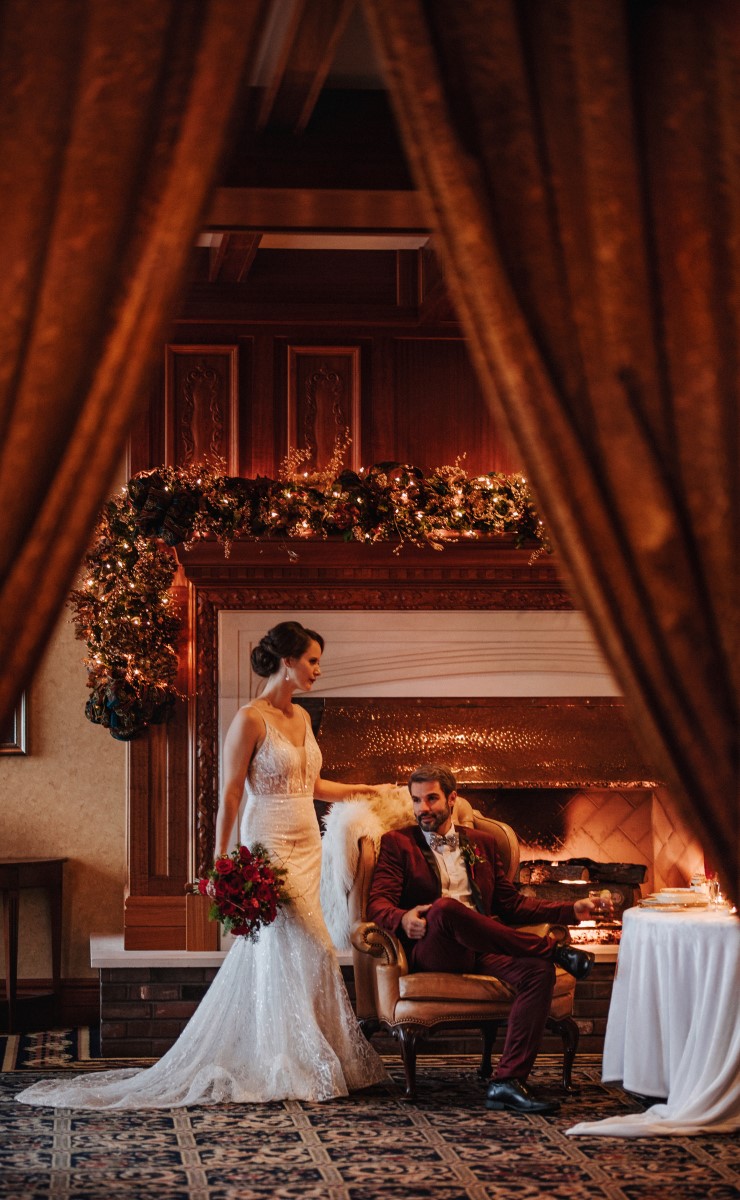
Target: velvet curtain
[581,164]
[113,116]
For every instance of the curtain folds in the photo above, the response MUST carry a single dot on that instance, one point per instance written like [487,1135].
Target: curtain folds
[112,124]
[581,165]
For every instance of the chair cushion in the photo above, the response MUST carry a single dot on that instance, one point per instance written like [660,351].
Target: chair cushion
[433,986]
[443,985]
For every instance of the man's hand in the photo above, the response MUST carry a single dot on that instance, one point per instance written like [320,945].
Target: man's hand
[600,905]
[414,922]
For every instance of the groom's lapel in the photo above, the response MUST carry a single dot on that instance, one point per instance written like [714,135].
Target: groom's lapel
[423,845]
[475,892]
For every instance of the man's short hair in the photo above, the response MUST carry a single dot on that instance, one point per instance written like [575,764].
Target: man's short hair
[434,773]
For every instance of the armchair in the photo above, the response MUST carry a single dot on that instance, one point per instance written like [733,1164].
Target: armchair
[415,1005]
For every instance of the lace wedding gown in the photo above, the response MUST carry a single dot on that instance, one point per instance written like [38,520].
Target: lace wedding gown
[276,1023]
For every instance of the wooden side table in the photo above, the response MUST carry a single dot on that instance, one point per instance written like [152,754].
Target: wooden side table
[16,874]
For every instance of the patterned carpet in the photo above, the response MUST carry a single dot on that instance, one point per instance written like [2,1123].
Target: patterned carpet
[371,1146]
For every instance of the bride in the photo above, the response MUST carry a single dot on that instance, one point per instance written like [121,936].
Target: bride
[276,1023]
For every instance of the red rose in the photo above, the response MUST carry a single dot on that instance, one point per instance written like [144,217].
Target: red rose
[224,866]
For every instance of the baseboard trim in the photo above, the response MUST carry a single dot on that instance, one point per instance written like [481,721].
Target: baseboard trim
[79,1002]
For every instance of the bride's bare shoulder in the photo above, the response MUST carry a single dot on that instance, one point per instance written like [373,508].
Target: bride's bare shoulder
[249,718]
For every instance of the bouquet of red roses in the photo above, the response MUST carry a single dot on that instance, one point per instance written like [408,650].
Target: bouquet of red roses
[246,889]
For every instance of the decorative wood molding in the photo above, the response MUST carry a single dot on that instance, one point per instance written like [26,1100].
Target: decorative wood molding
[324,401]
[443,578]
[201,405]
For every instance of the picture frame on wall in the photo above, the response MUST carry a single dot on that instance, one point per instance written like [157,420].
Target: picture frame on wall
[14,733]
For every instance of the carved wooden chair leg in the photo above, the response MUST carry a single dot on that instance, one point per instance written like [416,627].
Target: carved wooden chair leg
[488,1033]
[570,1034]
[407,1037]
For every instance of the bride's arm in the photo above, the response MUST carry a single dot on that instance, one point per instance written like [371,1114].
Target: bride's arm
[239,746]
[326,789]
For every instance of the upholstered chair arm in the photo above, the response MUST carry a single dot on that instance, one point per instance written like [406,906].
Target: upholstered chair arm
[369,938]
[382,961]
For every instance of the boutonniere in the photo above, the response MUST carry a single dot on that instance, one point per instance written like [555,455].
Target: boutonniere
[471,856]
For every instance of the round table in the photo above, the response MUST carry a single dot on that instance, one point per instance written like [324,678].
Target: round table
[674,1022]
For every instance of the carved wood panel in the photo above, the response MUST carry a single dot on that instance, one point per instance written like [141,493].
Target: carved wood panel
[324,401]
[201,405]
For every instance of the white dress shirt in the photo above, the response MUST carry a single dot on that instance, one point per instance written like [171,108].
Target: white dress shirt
[452,871]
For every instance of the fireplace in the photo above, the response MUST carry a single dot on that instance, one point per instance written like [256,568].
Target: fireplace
[539,734]
[540,721]
[566,774]
[474,655]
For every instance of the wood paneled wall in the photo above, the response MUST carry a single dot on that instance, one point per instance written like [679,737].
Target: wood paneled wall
[405,398]
[241,384]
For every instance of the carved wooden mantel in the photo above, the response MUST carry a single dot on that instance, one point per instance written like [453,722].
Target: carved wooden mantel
[173,769]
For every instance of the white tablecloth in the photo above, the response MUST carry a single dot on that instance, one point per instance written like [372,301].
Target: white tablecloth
[674,1023]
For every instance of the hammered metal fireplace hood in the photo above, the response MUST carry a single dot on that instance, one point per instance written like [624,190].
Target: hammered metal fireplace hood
[488,742]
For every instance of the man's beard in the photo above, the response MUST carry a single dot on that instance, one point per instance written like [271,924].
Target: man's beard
[431,822]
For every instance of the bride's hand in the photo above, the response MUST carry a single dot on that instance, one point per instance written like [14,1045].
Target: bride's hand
[369,790]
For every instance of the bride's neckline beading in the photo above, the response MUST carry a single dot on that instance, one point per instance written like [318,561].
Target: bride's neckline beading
[300,747]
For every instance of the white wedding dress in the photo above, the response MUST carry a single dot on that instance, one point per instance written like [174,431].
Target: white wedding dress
[276,1023]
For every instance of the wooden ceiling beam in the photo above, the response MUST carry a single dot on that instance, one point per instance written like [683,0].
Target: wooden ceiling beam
[301,62]
[434,299]
[231,260]
[317,210]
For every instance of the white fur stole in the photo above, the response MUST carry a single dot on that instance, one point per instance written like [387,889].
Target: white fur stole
[345,823]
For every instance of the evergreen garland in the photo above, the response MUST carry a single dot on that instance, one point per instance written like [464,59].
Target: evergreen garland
[125,612]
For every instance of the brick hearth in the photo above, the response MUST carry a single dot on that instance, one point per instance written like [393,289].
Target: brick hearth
[143,1009]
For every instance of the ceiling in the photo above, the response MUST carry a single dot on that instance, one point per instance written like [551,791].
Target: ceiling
[316,162]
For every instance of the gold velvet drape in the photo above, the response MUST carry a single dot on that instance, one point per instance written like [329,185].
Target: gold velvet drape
[113,117]
[581,164]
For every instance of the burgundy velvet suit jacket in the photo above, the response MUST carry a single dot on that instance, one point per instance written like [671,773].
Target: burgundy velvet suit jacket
[406,874]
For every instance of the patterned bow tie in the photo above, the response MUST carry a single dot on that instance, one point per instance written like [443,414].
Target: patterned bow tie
[438,843]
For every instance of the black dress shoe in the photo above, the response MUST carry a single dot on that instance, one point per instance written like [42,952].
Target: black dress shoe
[574,961]
[511,1095]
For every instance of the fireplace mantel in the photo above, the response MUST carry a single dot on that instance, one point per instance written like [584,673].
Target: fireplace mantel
[486,572]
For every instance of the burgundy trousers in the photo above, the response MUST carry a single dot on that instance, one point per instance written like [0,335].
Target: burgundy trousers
[461,940]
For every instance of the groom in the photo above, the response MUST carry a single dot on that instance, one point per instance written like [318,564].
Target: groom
[442,890]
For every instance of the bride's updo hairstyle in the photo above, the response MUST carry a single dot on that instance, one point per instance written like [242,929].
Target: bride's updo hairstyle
[289,639]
